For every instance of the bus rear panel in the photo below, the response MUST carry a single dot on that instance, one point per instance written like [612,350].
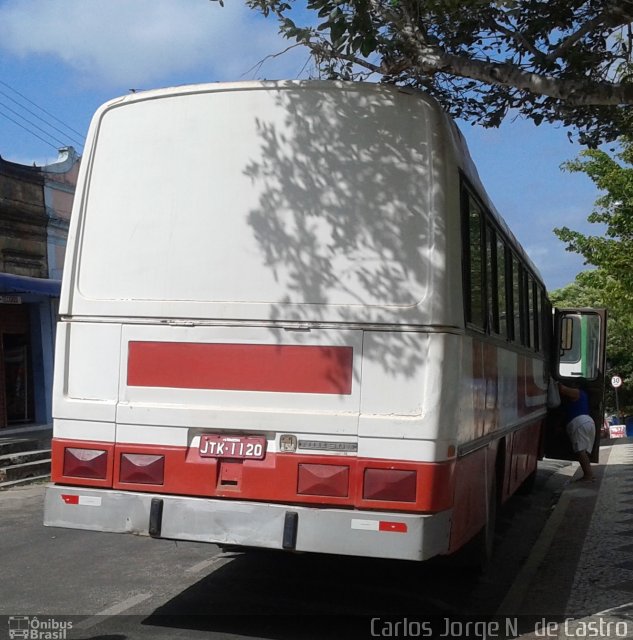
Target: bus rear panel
[262,339]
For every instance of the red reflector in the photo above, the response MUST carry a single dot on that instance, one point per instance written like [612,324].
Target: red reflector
[68,499]
[390,484]
[142,469]
[85,463]
[323,480]
[397,527]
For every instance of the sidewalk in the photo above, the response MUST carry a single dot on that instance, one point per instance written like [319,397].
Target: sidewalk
[26,432]
[580,576]
[25,455]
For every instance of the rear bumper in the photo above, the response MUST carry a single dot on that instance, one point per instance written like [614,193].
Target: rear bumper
[250,524]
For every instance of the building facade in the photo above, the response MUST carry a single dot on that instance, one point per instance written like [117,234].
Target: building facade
[35,205]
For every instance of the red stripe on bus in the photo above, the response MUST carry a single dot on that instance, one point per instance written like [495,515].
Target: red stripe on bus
[241,367]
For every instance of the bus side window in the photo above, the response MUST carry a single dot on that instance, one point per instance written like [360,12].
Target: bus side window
[492,287]
[475,301]
[502,288]
[529,298]
[539,322]
[517,301]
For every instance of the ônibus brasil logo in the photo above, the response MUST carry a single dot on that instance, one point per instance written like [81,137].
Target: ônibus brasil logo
[36,628]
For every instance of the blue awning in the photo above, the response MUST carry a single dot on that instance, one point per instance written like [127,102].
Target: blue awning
[10,283]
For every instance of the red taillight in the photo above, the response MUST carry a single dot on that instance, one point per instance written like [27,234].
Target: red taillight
[140,468]
[390,484]
[85,463]
[323,480]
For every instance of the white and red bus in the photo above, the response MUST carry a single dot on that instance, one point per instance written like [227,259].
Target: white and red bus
[291,318]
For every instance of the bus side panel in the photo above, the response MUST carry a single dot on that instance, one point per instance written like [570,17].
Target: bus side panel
[525,447]
[472,477]
[502,409]
[474,472]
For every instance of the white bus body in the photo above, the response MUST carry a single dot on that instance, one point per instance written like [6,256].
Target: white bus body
[263,339]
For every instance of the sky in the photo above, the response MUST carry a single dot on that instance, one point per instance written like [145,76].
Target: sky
[70,56]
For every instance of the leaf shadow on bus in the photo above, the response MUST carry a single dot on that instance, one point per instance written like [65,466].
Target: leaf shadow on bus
[345,219]
[278,595]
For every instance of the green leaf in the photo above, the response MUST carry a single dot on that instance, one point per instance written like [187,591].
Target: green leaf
[368,46]
[337,29]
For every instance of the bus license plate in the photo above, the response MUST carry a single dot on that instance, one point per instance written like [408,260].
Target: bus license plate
[236,447]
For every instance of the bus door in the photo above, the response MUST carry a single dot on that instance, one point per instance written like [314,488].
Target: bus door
[578,360]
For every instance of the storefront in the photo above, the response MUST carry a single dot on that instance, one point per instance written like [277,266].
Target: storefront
[28,311]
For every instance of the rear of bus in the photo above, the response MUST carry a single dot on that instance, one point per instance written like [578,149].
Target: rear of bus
[259,338]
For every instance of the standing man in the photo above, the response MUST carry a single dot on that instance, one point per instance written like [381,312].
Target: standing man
[581,428]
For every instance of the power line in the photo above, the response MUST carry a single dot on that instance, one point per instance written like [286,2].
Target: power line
[42,109]
[46,133]
[4,115]
[49,136]
[48,124]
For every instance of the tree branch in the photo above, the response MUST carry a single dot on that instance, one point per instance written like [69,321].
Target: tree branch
[614,15]
[620,12]
[323,50]
[432,59]
[271,56]
[519,38]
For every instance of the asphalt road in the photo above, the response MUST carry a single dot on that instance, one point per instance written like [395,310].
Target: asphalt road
[113,586]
